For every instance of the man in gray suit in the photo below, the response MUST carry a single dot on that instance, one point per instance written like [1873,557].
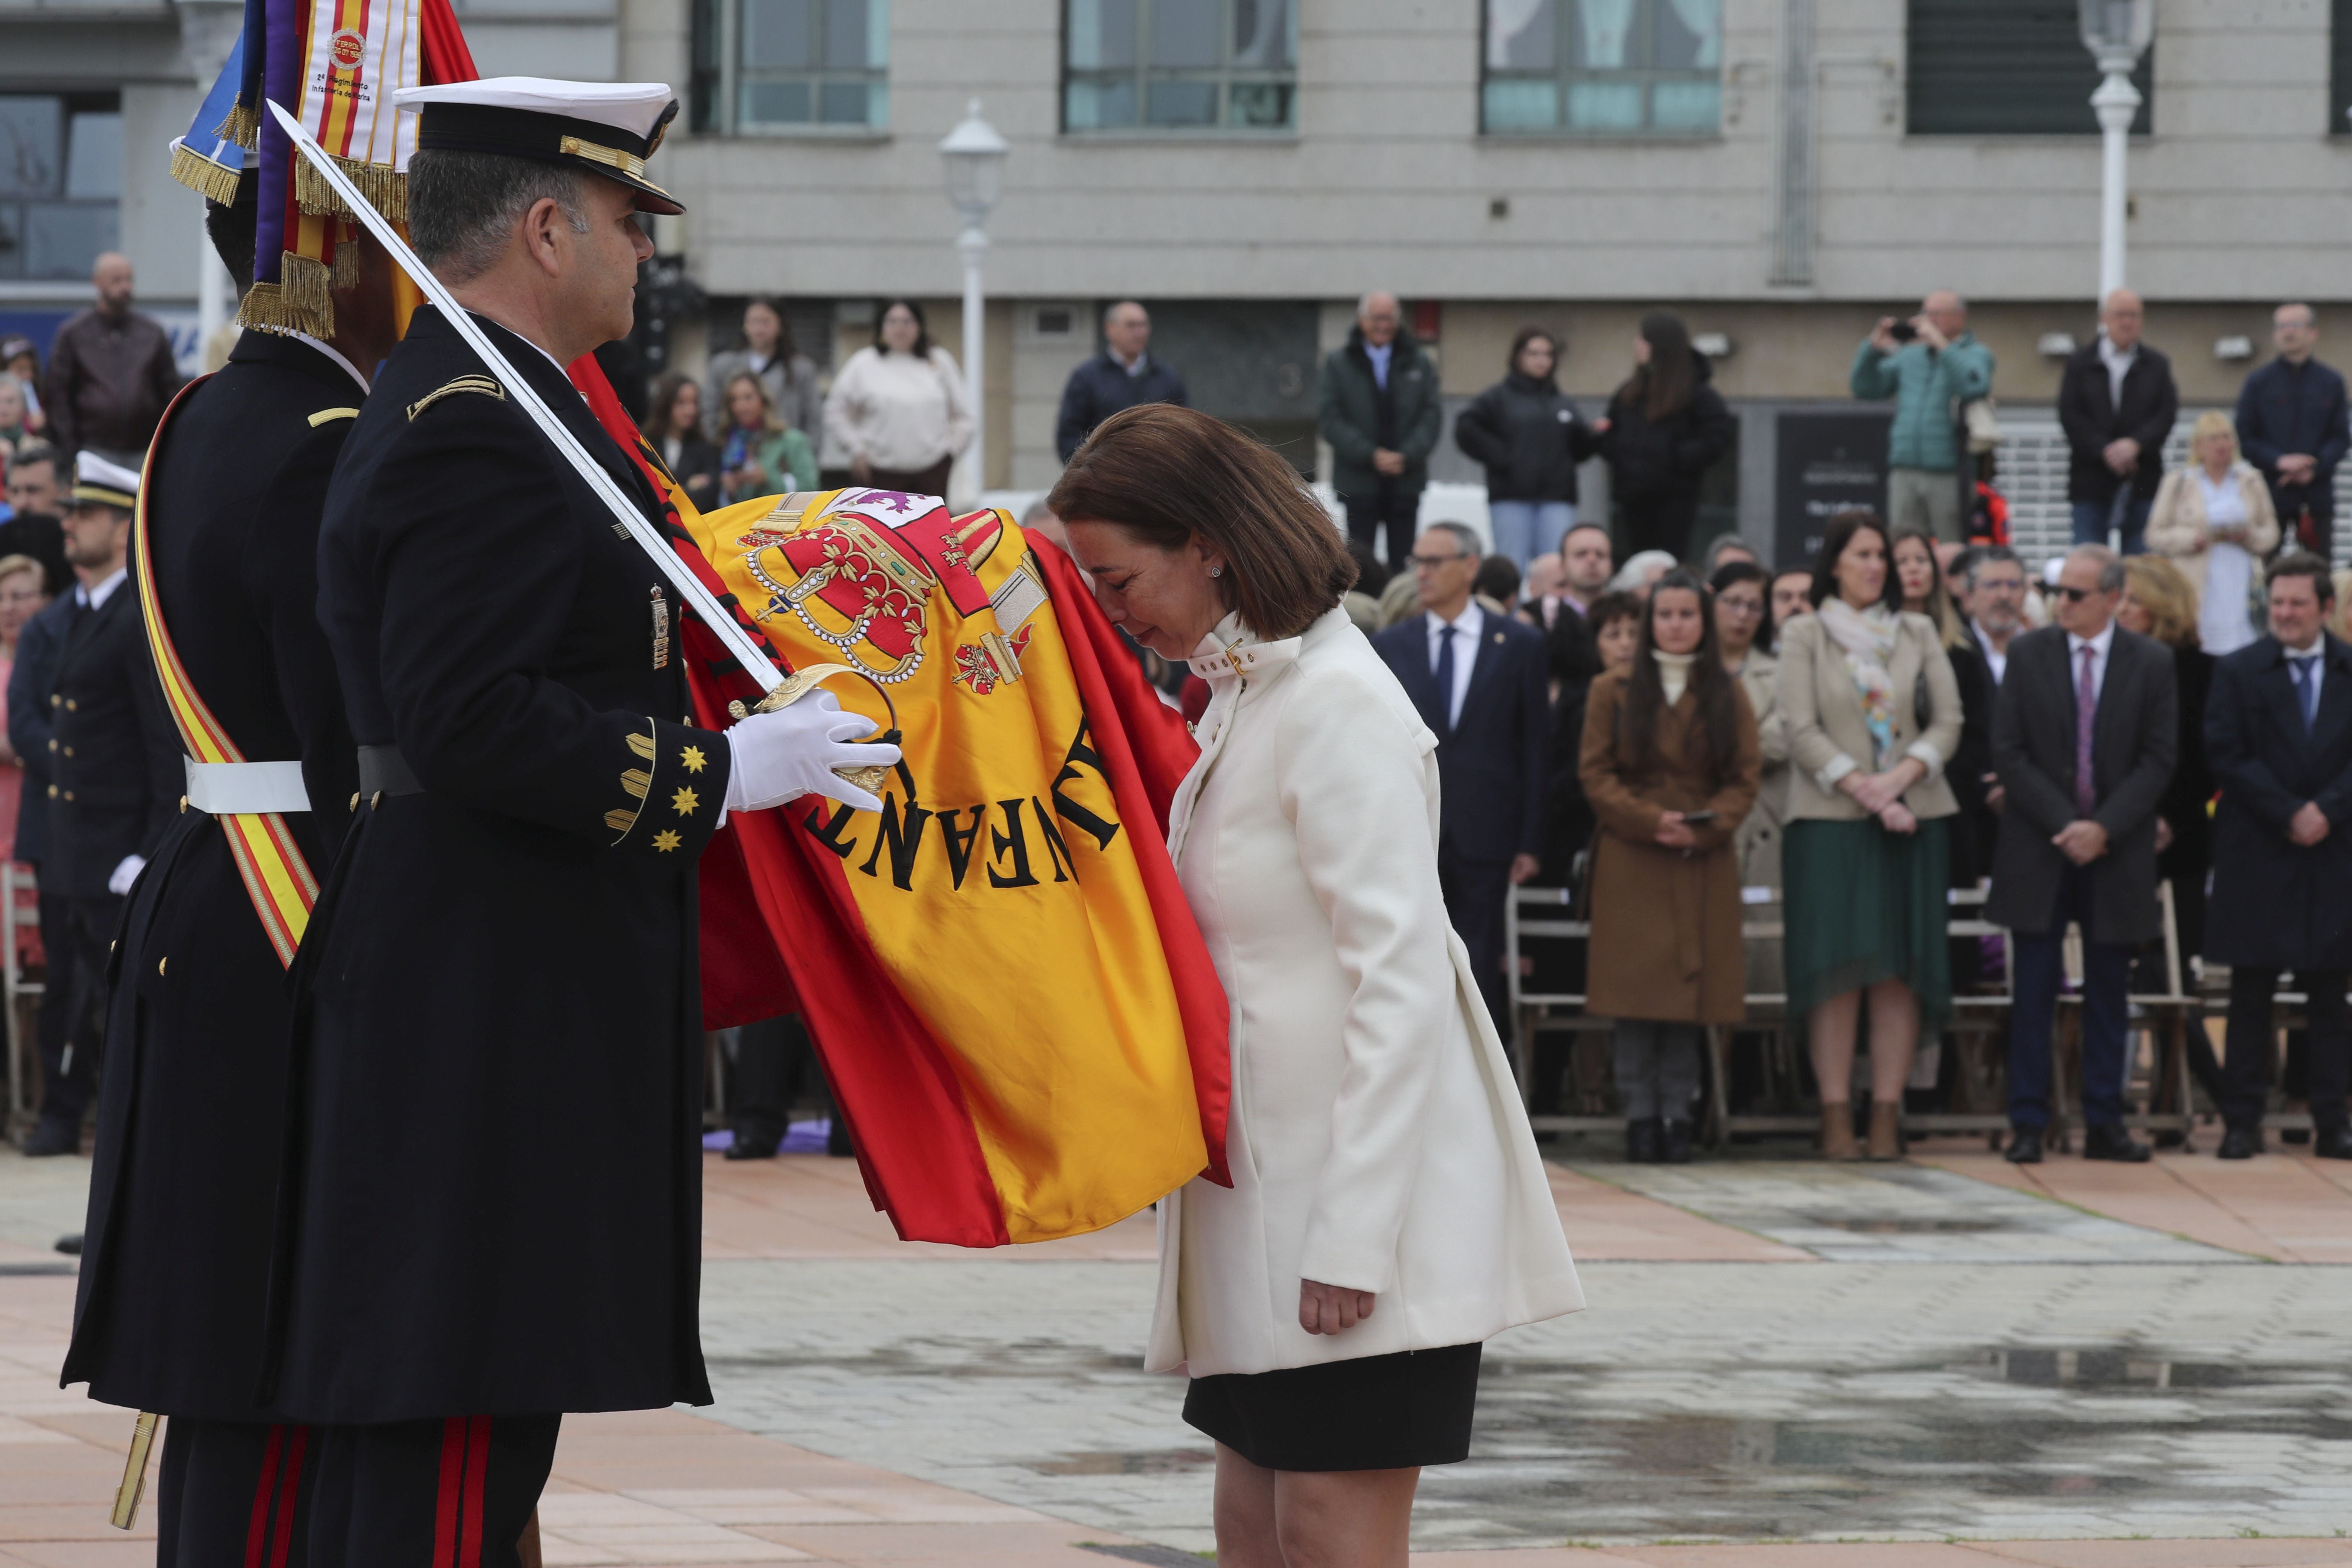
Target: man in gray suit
[2085,735]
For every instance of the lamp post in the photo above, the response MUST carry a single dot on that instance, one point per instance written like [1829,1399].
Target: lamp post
[974,154]
[2116,32]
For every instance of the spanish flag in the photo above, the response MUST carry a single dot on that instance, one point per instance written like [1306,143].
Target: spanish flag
[999,969]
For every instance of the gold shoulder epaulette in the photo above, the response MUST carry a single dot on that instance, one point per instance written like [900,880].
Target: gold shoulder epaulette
[328,416]
[481,383]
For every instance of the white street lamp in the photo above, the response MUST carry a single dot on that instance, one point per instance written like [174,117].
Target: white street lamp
[974,154]
[2116,32]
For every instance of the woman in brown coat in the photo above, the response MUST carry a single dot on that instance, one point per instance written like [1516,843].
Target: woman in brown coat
[1670,763]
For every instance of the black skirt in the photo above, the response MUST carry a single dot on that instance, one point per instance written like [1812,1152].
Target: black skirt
[1376,1413]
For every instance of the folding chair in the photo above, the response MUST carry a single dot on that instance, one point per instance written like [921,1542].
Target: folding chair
[16,991]
[1541,913]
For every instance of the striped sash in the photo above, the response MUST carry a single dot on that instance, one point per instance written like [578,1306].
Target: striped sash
[277,878]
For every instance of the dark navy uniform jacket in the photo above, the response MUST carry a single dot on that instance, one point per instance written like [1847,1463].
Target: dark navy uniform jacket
[2276,905]
[108,796]
[495,1203]
[192,1107]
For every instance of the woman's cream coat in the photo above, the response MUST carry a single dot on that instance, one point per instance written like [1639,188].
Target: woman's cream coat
[2177,528]
[1377,1141]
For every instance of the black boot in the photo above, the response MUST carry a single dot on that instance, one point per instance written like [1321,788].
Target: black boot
[2104,1142]
[1676,1143]
[1642,1138]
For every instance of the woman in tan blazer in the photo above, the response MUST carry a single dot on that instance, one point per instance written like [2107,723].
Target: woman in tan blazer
[2215,521]
[1864,861]
[1670,763]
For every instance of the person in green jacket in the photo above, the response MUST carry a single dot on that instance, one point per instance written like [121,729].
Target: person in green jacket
[1930,366]
[759,454]
[1377,405]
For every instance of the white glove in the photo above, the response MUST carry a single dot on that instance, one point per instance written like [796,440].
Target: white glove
[793,751]
[126,873]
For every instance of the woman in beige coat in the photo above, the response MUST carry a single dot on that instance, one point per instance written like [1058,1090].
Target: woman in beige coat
[1865,864]
[1670,764]
[2215,521]
[1388,1211]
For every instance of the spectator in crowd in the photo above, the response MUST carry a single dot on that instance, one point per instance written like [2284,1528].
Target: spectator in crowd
[32,671]
[22,594]
[1669,762]
[1665,427]
[897,411]
[1121,376]
[1539,589]
[1917,568]
[33,527]
[1530,438]
[1497,586]
[1992,587]
[1643,569]
[1793,595]
[1479,681]
[1994,592]
[1588,561]
[1613,623]
[2116,402]
[1584,571]
[1740,588]
[1376,403]
[768,352]
[762,456]
[1866,862]
[2214,519]
[14,413]
[2084,737]
[1931,365]
[2291,419]
[111,372]
[1921,576]
[2159,603]
[2339,615]
[1616,622]
[21,360]
[1400,600]
[2278,736]
[674,426]
[1723,548]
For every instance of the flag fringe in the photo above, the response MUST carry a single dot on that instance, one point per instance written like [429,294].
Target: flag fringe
[347,260]
[242,125]
[200,175]
[385,188]
[303,301]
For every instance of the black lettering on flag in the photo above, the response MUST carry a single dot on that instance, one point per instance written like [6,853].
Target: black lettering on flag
[903,836]
[1065,869]
[829,834]
[1017,843]
[959,842]
[1101,829]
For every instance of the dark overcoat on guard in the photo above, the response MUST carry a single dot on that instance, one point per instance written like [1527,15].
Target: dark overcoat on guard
[192,1108]
[494,1199]
[2276,905]
[108,797]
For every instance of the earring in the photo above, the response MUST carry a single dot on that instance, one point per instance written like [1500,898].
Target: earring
[1216,570]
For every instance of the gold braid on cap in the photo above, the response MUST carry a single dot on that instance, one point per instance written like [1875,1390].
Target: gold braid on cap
[629,163]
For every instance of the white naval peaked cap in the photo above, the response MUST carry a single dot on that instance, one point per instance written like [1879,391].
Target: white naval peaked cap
[606,128]
[98,482]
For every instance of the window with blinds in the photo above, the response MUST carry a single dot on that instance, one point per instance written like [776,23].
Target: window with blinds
[2006,68]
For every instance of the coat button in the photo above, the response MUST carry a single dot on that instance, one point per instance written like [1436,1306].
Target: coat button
[57,702]
[68,795]
[184,805]
[72,706]
[53,792]
[53,745]
[69,751]
[355,800]
[159,965]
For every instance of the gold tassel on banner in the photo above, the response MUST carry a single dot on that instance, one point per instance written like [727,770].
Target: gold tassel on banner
[347,256]
[202,175]
[241,125]
[385,188]
[303,302]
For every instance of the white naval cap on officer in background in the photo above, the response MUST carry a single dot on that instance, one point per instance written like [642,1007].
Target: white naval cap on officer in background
[98,482]
[607,127]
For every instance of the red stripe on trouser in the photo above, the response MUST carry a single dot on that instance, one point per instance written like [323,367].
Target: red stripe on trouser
[257,1533]
[290,1493]
[453,1482]
[477,1460]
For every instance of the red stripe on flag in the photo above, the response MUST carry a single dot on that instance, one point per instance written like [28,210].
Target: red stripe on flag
[257,1532]
[453,1481]
[478,1459]
[290,1493]
[443,56]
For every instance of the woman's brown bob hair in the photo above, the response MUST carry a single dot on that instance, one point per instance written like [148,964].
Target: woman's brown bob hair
[1166,474]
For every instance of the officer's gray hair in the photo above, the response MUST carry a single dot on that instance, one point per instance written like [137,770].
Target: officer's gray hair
[463,206]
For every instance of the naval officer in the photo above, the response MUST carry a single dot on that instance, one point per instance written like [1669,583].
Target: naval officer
[191,1110]
[492,1211]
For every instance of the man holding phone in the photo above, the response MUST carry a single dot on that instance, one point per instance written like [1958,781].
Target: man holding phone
[1931,365]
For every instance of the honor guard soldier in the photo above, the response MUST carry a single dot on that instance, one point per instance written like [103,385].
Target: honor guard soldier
[258,760]
[493,1206]
[108,800]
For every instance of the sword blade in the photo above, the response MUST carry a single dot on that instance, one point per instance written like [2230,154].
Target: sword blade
[690,590]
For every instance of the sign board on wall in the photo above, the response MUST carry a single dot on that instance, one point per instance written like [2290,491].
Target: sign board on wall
[1828,461]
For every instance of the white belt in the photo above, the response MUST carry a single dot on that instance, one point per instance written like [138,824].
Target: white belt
[237,789]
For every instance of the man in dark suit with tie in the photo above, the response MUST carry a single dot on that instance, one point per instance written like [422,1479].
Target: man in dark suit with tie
[2278,736]
[1480,682]
[2085,735]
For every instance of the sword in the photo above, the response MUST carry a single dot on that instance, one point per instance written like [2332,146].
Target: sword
[134,1472]
[747,651]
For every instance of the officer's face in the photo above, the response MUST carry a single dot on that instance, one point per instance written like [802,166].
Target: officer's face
[601,280]
[96,536]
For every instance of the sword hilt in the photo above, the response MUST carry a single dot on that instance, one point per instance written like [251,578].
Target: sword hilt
[799,684]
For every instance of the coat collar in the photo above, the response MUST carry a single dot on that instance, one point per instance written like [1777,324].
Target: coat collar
[1231,655]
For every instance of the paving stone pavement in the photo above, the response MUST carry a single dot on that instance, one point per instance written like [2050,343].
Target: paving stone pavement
[1750,1401]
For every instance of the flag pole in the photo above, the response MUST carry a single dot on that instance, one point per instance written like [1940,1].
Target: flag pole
[755,659]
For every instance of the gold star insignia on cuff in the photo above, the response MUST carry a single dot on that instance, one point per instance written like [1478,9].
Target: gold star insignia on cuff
[685,800]
[666,841]
[691,759]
